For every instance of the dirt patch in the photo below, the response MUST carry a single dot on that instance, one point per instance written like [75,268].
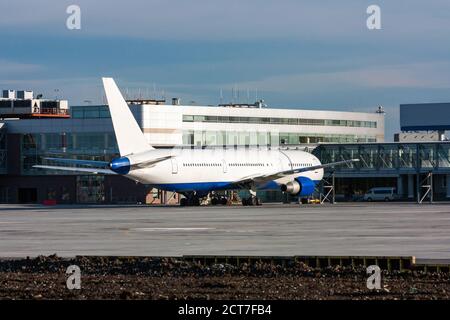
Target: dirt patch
[167,278]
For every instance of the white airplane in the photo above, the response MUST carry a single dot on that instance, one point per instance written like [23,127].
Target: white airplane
[197,172]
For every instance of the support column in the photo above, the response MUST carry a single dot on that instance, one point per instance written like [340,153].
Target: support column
[418,185]
[400,186]
[410,186]
[431,187]
[333,200]
[447,182]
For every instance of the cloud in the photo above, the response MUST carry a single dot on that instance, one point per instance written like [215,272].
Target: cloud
[416,75]
[9,67]
[429,75]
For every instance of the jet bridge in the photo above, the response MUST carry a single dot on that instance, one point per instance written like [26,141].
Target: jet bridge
[418,170]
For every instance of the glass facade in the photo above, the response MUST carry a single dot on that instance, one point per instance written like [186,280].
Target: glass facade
[85,146]
[90,112]
[247,138]
[281,121]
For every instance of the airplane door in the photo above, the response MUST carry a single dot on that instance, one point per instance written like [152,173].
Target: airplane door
[281,160]
[174,166]
[224,166]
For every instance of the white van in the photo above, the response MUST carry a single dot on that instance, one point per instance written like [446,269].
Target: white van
[380,194]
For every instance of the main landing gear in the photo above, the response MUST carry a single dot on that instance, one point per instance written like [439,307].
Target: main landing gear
[190,199]
[195,198]
[253,200]
[215,200]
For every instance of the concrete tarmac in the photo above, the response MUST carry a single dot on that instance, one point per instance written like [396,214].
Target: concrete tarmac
[382,229]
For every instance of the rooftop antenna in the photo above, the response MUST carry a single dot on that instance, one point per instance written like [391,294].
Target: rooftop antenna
[248,96]
[221,96]
[102,95]
[154,90]
[256,94]
[380,110]
[232,94]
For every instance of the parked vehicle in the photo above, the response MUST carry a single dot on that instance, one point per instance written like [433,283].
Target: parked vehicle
[380,194]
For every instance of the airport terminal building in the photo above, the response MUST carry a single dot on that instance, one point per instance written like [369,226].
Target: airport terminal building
[29,135]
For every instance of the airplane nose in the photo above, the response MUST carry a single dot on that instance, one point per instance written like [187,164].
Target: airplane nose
[120,165]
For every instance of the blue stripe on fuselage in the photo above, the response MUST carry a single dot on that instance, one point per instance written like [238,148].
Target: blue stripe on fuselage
[193,186]
[211,186]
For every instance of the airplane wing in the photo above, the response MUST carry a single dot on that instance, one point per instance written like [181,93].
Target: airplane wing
[76,169]
[263,178]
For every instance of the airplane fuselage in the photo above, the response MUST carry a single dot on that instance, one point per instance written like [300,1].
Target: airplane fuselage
[216,169]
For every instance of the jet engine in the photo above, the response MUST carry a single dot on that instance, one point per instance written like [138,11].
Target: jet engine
[292,187]
[301,186]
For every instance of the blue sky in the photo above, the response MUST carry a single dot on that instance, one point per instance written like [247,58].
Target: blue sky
[297,54]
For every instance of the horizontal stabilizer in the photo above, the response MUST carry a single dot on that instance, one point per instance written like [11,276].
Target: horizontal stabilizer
[75,169]
[80,162]
[151,162]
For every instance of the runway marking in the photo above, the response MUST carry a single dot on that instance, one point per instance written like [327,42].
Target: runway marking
[173,229]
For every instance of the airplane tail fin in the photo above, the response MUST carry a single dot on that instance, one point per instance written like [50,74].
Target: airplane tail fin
[129,136]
